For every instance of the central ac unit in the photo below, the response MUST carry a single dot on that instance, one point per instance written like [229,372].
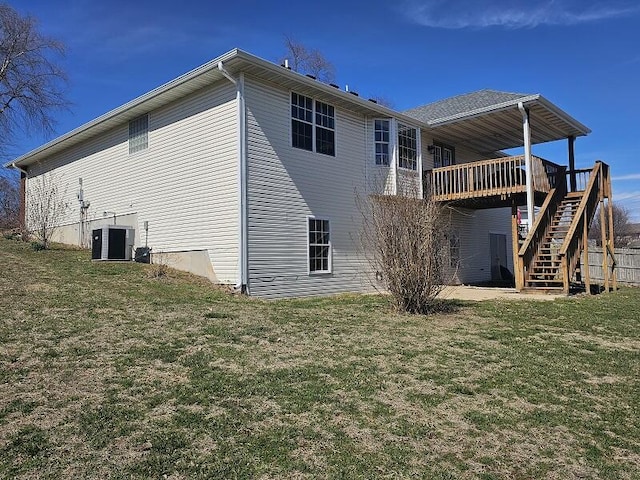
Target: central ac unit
[112,242]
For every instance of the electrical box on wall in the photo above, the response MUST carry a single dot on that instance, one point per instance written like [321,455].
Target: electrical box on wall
[112,242]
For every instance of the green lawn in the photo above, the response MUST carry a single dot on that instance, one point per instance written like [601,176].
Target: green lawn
[107,372]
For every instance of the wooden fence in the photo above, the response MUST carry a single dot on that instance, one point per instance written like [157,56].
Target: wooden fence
[627,265]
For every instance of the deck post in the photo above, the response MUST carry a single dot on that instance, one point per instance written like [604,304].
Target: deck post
[515,241]
[612,239]
[603,237]
[526,130]
[585,253]
[572,164]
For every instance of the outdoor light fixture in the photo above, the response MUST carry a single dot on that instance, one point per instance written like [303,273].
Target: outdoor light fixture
[431,148]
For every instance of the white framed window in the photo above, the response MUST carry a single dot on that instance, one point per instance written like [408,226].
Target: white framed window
[313,125]
[381,129]
[407,147]
[443,155]
[319,243]
[139,134]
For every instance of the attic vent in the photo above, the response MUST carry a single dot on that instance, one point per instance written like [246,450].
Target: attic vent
[373,100]
[311,76]
[353,93]
[334,85]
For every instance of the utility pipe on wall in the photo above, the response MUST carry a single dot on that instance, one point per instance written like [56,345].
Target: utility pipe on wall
[526,130]
[243,247]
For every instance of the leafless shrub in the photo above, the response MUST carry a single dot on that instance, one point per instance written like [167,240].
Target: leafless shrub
[621,225]
[406,242]
[45,206]
[32,82]
[159,265]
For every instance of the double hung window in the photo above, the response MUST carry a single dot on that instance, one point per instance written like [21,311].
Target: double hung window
[319,245]
[313,125]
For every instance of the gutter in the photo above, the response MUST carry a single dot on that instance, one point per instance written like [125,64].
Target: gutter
[243,245]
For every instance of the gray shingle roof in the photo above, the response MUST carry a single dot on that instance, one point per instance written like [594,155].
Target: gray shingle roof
[461,104]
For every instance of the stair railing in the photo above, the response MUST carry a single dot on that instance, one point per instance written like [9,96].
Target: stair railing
[531,246]
[571,248]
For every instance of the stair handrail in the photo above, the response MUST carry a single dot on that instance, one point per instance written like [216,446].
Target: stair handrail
[570,249]
[541,226]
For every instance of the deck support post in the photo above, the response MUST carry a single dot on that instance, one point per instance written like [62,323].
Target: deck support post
[603,234]
[515,240]
[611,234]
[585,253]
[572,164]
[526,130]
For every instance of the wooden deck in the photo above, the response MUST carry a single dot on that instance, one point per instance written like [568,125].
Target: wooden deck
[491,183]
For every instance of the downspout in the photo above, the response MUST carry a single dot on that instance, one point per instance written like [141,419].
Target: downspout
[243,245]
[23,194]
[526,130]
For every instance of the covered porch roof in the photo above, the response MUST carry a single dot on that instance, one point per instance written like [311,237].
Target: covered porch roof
[488,120]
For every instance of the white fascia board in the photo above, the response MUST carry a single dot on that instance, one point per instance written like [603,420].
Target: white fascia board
[526,100]
[117,115]
[484,110]
[373,109]
[122,110]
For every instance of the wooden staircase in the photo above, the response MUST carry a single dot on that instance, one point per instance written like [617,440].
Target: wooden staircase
[550,257]
[546,272]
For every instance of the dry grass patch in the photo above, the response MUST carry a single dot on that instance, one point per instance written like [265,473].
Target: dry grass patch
[110,374]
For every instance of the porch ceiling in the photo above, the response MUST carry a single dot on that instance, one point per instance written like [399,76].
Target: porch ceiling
[499,126]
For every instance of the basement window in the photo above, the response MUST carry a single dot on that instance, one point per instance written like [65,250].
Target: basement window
[312,125]
[139,134]
[319,245]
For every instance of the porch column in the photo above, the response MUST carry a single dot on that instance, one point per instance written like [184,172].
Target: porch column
[526,130]
[515,242]
[572,164]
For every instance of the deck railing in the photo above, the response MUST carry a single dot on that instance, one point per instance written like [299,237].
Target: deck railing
[499,176]
[597,186]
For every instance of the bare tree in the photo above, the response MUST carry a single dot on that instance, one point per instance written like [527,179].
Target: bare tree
[46,207]
[308,60]
[621,225]
[31,82]
[9,203]
[406,241]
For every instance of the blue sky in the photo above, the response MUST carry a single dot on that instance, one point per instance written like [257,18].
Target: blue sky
[582,55]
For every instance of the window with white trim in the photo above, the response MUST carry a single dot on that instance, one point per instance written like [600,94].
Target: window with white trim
[139,134]
[407,147]
[319,245]
[381,131]
[312,125]
[443,155]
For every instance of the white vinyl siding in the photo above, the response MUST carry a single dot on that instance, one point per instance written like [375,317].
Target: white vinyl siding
[185,184]
[472,228]
[286,185]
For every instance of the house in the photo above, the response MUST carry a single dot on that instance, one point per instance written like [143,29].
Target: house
[247,173]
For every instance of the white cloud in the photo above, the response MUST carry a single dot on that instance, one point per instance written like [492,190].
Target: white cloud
[457,14]
[632,176]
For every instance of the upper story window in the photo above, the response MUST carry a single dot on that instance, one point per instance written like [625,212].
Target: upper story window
[407,147]
[443,155]
[381,140]
[139,134]
[312,125]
